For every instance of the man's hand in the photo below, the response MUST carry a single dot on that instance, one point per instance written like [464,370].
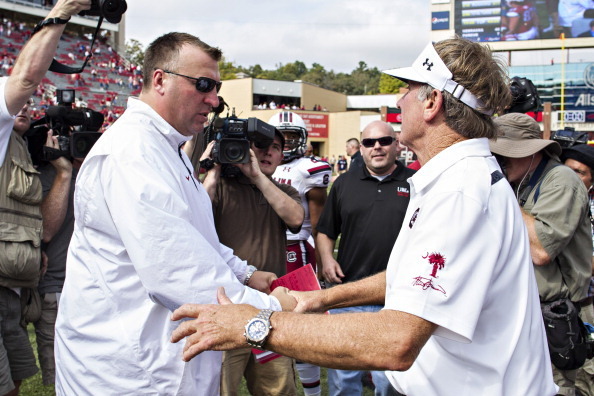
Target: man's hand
[215,327]
[207,151]
[62,164]
[64,9]
[288,302]
[261,281]
[332,271]
[310,301]
[252,169]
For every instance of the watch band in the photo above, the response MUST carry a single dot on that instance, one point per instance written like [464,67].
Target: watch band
[265,314]
[248,275]
[49,21]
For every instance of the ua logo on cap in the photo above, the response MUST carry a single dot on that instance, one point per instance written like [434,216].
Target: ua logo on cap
[429,65]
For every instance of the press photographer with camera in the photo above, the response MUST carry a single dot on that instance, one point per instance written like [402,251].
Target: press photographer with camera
[20,195]
[554,204]
[144,240]
[57,179]
[252,214]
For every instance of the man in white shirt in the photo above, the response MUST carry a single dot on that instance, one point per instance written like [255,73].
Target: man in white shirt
[462,315]
[144,240]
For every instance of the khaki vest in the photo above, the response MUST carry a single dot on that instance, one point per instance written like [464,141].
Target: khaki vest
[20,217]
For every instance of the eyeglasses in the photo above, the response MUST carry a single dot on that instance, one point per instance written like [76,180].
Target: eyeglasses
[203,84]
[383,141]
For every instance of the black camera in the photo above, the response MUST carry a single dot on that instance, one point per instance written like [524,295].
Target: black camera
[525,96]
[233,137]
[111,10]
[569,137]
[62,119]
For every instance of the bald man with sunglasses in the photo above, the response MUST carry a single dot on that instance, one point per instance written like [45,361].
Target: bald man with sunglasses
[145,242]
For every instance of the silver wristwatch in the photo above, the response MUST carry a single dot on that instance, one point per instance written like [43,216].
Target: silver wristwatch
[258,328]
[248,275]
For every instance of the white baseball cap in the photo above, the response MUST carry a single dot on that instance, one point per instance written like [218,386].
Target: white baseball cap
[429,68]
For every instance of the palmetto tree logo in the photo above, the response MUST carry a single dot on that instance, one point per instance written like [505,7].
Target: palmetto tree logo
[437,260]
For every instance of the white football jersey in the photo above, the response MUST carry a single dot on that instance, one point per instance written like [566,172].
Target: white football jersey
[303,174]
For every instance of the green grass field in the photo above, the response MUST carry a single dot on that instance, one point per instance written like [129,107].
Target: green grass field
[34,386]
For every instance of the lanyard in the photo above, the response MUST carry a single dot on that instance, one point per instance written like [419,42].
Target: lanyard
[184,162]
[533,180]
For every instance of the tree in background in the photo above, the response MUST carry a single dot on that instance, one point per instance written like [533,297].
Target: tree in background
[361,81]
[389,84]
[135,52]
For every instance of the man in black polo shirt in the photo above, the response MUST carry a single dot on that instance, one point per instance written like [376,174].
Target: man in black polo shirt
[366,207]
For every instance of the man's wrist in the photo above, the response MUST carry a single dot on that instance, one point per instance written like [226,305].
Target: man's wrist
[248,275]
[48,22]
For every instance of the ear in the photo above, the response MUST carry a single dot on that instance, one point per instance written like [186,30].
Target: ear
[158,81]
[432,106]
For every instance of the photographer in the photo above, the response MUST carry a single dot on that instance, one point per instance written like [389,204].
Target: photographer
[20,196]
[554,205]
[252,213]
[57,180]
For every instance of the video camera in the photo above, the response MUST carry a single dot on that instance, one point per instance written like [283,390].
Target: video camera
[569,137]
[111,10]
[233,137]
[525,96]
[61,119]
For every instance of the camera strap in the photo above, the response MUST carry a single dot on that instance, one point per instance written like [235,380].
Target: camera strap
[60,67]
[538,172]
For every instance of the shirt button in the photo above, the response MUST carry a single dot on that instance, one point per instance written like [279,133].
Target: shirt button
[379,190]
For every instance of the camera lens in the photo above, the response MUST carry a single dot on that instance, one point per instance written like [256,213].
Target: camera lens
[234,152]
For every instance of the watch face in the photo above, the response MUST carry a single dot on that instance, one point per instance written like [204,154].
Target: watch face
[257,330]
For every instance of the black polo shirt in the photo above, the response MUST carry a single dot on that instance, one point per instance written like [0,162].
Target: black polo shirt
[368,214]
[356,161]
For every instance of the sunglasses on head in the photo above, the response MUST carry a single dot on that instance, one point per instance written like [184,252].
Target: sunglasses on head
[383,141]
[203,84]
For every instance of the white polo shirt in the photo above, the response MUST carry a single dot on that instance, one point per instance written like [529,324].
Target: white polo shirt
[144,243]
[462,261]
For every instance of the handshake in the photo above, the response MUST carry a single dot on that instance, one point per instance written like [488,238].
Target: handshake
[221,327]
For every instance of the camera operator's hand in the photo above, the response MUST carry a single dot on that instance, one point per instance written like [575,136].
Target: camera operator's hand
[62,164]
[252,169]
[212,175]
[207,155]
[64,9]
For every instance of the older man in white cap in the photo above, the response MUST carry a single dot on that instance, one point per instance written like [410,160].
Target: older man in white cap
[461,315]
[555,209]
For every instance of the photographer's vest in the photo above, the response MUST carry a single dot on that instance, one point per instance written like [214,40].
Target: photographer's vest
[20,217]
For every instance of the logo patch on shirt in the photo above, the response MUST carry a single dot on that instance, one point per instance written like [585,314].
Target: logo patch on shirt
[438,261]
[403,192]
[291,257]
[413,218]
[188,178]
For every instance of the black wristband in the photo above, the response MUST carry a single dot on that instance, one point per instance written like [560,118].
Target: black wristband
[207,164]
[49,21]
